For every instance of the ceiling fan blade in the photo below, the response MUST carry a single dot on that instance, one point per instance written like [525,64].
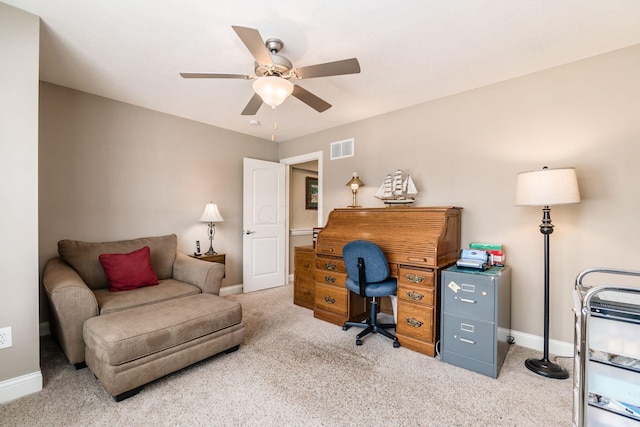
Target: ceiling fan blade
[345,66]
[310,99]
[253,41]
[214,76]
[253,106]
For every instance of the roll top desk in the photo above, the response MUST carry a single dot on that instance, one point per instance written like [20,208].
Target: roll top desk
[418,243]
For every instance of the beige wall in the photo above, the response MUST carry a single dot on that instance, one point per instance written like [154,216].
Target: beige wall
[19,51]
[110,171]
[465,150]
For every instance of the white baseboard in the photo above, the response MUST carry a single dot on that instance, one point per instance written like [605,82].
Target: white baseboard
[20,386]
[535,342]
[230,290]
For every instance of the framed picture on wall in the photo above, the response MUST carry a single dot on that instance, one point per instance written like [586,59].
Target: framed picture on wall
[311,200]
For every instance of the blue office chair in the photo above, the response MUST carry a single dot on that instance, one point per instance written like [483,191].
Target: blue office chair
[368,276]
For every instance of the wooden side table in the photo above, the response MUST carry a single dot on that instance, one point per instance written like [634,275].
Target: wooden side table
[221,258]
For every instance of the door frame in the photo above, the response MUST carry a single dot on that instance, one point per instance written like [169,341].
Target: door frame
[288,162]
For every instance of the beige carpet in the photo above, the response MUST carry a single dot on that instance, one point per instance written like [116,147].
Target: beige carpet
[294,370]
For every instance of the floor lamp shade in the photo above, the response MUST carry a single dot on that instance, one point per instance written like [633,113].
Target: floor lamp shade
[545,188]
[211,215]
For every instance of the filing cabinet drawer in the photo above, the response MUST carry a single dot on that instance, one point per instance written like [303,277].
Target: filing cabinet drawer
[417,294]
[416,277]
[329,264]
[332,299]
[415,320]
[469,337]
[469,295]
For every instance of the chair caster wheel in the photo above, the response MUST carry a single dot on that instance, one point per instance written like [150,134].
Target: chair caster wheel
[358,342]
[344,328]
[396,344]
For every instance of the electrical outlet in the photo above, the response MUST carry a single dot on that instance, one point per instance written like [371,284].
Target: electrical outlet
[5,337]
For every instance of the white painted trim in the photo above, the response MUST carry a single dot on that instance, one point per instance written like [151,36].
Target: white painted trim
[291,278]
[535,342]
[20,386]
[318,156]
[301,231]
[230,290]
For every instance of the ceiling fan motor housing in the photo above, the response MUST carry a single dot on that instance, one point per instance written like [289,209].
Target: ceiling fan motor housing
[281,66]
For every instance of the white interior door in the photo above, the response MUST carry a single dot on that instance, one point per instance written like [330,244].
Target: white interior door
[264,209]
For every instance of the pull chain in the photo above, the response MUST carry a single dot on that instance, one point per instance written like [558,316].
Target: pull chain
[275,124]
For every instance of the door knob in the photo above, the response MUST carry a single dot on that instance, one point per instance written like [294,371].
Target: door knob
[248,232]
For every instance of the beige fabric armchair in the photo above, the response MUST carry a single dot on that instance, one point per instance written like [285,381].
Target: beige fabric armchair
[77,287]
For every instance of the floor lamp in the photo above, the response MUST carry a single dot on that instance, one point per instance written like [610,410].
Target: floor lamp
[545,188]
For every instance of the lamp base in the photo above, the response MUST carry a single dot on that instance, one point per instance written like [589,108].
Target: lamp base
[547,368]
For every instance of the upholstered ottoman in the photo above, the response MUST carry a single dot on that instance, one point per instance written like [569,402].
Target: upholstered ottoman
[130,348]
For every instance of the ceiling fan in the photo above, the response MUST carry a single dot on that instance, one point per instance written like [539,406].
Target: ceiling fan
[273,73]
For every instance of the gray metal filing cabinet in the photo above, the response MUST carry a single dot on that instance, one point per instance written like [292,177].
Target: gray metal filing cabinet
[476,318]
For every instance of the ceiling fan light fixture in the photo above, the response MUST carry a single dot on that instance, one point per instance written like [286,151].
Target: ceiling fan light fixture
[273,89]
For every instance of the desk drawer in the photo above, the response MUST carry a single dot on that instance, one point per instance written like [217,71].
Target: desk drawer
[331,278]
[332,299]
[417,294]
[415,320]
[304,264]
[416,277]
[335,265]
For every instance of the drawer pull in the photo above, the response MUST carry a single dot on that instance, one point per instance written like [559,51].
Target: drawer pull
[329,300]
[464,340]
[330,266]
[468,301]
[413,322]
[414,295]
[306,265]
[414,278]
[329,279]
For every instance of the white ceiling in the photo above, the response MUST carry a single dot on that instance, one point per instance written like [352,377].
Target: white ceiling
[410,51]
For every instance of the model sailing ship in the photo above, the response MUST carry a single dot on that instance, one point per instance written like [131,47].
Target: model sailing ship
[397,189]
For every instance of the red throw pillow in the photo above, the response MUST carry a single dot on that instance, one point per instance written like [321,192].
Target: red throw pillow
[129,271]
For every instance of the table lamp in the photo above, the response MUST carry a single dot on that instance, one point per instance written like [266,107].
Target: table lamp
[355,183]
[544,188]
[211,215]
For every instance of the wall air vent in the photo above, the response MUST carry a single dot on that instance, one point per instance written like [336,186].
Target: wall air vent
[342,149]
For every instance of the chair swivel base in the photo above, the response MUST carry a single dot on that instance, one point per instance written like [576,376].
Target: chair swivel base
[372,329]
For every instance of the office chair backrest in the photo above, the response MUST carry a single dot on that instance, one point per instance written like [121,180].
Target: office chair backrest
[376,265]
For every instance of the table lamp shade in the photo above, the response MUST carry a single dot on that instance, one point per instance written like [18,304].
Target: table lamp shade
[211,213]
[547,187]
